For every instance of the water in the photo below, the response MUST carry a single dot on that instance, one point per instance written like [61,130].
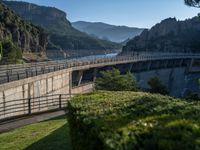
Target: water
[111,55]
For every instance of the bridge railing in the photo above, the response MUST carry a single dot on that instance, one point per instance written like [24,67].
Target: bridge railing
[10,73]
[29,106]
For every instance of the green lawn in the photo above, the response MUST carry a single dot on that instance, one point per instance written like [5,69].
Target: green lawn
[48,135]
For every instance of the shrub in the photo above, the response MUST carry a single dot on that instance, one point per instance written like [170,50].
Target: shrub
[112,80]
[11,52]
[156,86]
[133,121]
[192,96]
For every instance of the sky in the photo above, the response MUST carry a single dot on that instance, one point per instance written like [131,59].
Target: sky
[133,13]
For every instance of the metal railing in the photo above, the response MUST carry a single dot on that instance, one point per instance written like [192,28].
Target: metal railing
[29,106]
[10,73]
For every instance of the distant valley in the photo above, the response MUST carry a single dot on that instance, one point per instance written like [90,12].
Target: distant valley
[113,33]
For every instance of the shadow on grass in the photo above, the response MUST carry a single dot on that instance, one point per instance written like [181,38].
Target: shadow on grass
[57,140]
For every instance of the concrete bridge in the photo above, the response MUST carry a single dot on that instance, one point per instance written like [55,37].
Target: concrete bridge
[39,87]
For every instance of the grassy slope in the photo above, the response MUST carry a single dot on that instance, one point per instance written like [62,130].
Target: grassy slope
[47,135]
[130,120]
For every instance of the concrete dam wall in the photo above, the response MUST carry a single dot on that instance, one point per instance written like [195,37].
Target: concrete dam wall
[178,80]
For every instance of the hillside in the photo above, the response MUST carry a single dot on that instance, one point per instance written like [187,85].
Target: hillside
[62,34]
[18,36]
[105,31]
[168,36]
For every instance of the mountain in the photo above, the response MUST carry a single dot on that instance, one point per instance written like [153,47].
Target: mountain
[62,34]
[18,36]
[106,31]
[168,36]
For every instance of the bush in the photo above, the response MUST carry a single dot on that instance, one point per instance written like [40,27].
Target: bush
[156,86]
[11,52]
[112,80]
[192,96]
[133,121]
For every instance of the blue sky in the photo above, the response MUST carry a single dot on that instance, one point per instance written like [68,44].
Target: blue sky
[136,13]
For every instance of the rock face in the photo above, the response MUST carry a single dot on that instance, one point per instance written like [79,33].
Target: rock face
[62,34]
[48,17]
[28,37]
[168,36]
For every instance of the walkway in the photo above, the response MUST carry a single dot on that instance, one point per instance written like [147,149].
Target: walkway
[13,124]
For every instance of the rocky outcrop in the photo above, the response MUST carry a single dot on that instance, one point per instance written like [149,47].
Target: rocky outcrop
[168,36]
[50,18]
[61,32]
[26,36]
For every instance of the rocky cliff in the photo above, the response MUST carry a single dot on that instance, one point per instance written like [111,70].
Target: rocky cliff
[168,36]
[50,18]
[62,34]
[26,36]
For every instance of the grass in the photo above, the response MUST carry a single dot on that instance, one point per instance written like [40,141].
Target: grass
[48,135]
[133,120]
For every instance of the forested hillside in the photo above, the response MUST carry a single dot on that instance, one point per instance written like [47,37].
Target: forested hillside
[62,34]
[18,36]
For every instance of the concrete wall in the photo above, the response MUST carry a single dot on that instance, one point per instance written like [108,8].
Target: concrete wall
[177,80]
[14,95]
[86,88]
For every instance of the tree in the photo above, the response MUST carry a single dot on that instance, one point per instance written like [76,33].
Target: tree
[1,51]
[112,80]
[156,86]
[193,3]
[11,52]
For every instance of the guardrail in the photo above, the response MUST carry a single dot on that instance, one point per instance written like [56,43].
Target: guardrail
[29,106]
[10,73]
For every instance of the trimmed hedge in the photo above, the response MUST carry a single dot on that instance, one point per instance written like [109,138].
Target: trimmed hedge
[133,121]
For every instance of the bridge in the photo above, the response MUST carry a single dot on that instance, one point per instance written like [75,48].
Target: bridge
[39,87]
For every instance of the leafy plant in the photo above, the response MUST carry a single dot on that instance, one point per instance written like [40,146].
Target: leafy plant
[156,86]
[132,121]
[112,80]
[11,51]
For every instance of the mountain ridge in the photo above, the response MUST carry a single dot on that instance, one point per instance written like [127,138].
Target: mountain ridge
[170,35]
[110,32]
[62,34]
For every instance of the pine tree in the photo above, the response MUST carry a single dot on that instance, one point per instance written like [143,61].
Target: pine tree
[194,3]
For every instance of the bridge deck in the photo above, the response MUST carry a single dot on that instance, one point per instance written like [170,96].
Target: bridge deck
[9,73]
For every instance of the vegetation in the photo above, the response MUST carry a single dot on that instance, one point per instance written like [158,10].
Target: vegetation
[11,52]
[112,80]
[1,51]
[156,86]
[18,36]
[48,135]
[133,120]
[176,39]
[83,42]
[192,97]
[61,32]
[194,3]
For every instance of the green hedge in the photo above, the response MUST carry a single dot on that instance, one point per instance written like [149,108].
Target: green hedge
[133,121]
